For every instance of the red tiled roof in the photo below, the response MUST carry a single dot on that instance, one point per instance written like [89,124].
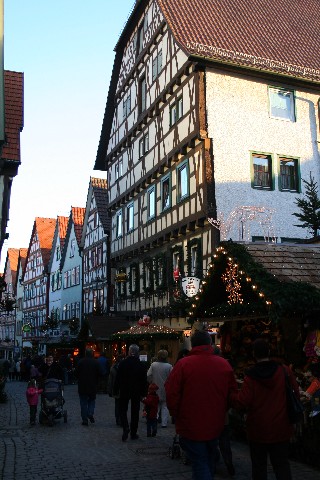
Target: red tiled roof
[62,226]
[281,36]
[100,192]
[45,228]
[13,91]
[12,257]
[78,214]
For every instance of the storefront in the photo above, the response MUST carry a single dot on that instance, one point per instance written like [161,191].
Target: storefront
[151,339]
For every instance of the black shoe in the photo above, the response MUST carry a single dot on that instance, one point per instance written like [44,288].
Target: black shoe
[91,418]
[134,437]
[85,423]
[125,435]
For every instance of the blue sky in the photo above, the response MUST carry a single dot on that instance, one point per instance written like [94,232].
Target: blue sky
[65,49]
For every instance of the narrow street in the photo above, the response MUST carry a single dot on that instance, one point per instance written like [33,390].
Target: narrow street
[72,451]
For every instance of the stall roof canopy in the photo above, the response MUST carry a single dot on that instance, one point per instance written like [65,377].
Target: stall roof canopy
[148,331]
[295,263]
[102,327]
[259,279]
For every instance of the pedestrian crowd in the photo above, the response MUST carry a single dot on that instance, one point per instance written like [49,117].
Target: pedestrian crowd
[196,395]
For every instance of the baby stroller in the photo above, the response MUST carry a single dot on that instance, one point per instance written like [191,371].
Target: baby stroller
[52,402]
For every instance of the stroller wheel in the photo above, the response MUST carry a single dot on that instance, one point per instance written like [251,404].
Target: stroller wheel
[50,420]
[65,416]
[41,418]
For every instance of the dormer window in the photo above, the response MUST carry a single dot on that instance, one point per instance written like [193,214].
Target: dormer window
[72,247]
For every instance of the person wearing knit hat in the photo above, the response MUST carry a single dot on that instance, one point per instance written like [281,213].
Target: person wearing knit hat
[151,403]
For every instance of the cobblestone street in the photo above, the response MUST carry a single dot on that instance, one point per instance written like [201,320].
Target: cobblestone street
[72,451]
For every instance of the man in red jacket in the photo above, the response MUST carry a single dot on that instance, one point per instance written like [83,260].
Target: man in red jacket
[263,396]
[197,392]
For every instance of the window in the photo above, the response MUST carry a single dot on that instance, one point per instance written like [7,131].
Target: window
[288,174]
[156,65]
[58,253]
[151,202]
[119,169]
[262,171]
[183,181]
[166,192]
[143,145]
[176,111]
[140,35]
[282,104]
[142,94]
[119,224]
[130,217]
[194,256]
[72,247]
[126,107]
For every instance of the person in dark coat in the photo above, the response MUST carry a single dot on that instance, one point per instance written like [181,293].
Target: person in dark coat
[113,388]
[263,397]
[50,369]
[88,377]
[132,380]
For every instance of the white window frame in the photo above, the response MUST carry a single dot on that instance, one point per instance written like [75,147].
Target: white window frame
[130,217]
[119,226]
[282,104]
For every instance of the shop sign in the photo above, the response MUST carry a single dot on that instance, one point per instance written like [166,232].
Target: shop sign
[26,328]
[190,286]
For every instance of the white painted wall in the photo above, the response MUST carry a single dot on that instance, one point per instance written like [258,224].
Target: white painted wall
[239,122]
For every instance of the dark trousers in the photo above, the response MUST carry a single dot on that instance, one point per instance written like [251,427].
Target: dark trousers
[117,410]
[278,453]
[33,413]
[202,456]
[135,408]
[152,424]
[225,446]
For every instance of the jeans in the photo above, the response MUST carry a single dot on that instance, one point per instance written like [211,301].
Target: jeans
[87,405]
[278,453]
[152,425]
[202,456]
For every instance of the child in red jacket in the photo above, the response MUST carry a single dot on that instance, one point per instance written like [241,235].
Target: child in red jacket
[32,394]
[151,402]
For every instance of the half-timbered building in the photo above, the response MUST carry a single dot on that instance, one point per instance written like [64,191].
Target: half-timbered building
[205,119]
[94,245]
[71,270]
[36,280]
[19,296]
[55,270]
[8,304]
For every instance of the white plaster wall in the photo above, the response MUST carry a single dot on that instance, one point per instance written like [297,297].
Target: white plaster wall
[239,122]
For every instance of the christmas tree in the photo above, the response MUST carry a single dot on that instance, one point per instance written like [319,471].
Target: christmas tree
[310,207]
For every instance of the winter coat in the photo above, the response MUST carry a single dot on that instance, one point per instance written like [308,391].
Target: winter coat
[132,378]
[32,395]
[151,403]
[197,393]
[88,373]
[263,397]
[113,384]
[158,374]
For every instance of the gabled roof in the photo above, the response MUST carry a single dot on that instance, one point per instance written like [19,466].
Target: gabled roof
[77,215]
[12,260]
[289,263]
[76,218]
[62,224]
[23,252]
[280,37]
[99,189]
[100,192]
[44,227]
[13,87]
